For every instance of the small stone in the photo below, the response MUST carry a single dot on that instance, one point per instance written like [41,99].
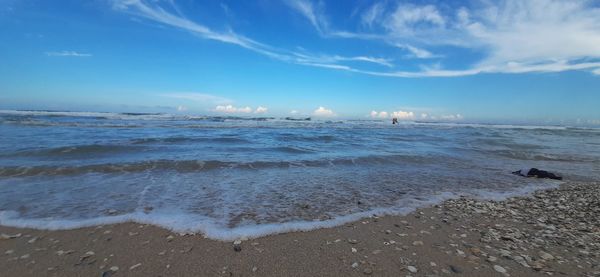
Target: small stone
[170,238]
[32,240]
[492,259]
[417,243]
[368,271]
[254,269]
[114,268]
[455,269]
[8,252]
[5,236]
[63,252]
[135,266]
[432,264]
[412,269]
[499,269]
[26,256]
[354,250]
[352,241]
[355,265]
[537,266]
[546,256]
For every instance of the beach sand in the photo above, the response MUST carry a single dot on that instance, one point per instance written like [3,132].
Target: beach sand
[553,232]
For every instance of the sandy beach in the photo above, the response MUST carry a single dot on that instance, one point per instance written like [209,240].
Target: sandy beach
[553,232]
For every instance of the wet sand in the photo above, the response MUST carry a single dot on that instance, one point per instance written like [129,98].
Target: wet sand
[553,232]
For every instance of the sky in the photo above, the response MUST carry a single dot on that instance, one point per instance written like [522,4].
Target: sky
[463,61]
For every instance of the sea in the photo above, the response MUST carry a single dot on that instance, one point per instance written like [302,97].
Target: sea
[240,177]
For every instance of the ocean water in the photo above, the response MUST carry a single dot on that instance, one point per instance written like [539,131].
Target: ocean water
[228,177]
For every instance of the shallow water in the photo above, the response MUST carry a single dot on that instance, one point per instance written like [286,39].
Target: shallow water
[235,177]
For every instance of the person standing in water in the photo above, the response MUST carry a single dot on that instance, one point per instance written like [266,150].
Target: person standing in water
[394,120]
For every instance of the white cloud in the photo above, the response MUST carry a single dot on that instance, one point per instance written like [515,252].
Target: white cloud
[293,112]
[198,97]
[382,114]
[181,108]
[451,117]
[323,112]
[67,54]
[515,36]
[403,115]
[260,109]
[232,109]
[408,19]
[596,71]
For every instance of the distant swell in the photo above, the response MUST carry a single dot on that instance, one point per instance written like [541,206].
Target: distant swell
[198,165]
[79,150]
[169,140]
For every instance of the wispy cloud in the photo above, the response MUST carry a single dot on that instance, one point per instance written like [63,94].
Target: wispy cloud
[416,52]
[198,97]
[512,36]
[311,13]
[153,11]
[515,36]
[67,54]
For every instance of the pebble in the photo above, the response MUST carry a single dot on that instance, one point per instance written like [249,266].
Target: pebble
[135,266]
[455,269]
[8,252]
[5,236]
[368,271]
[412,269]
[499,269]
[546,255]
[114,268]
[354,250]
[355,265]
[417,243]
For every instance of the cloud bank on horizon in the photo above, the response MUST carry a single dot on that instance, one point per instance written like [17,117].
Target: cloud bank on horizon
[506,36]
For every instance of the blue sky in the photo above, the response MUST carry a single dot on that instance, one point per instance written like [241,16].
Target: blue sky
[476,60]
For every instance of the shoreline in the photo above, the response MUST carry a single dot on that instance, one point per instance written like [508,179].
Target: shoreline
[551,232]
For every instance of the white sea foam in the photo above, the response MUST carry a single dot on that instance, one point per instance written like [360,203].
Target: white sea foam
[182,222]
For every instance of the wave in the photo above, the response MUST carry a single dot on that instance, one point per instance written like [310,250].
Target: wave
[530,156]
[189,139]
[186,222]
[307,138]
[186,166]
[90,150]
